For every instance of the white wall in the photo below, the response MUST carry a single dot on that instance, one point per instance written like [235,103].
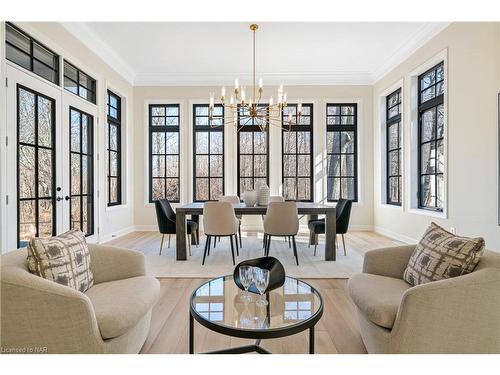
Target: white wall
[473,58]
[318,95]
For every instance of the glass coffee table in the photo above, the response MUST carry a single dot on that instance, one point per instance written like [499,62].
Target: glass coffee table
[220,306]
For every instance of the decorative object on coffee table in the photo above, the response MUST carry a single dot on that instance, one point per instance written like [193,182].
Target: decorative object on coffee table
[237,318]
[263,197]
[249,197]
[276,273]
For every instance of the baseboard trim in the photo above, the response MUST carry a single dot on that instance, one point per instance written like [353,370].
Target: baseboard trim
[111,236]
[394,235]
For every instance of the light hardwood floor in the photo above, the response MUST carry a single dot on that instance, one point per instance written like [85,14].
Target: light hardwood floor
[336,332]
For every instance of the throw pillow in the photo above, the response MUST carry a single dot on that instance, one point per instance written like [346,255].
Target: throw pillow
[64,259]
[441,255]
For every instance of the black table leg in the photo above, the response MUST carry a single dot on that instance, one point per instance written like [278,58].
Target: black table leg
[191,334]
[311,340]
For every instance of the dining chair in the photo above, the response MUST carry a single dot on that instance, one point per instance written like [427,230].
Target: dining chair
[166,218]
[342,214]
[274,198]
[233,199]
[281,220]
[219,220]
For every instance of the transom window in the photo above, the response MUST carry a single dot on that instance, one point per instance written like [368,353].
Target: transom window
[26,52]
[114,107]
[431,138]
[164,123]
[393,145]
[253,163]
[208,153]
[341,143]
[79,83]
[297,154]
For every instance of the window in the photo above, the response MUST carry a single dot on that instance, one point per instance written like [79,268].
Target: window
[26,52]
[35,166]
[81,178]
[341,143]
[297,154]
[393,147]
[431,138]
[114,167]
[208,153]
[164,123]
[79,83]
[253,163]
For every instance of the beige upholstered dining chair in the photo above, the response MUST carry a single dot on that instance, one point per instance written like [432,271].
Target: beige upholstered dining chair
[233,199]
[219,220]
[275,198]
[281,220]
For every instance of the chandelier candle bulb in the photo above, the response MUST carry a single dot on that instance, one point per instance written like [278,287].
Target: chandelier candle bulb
[261,83]
[271,101]
[236,84]
[223,91]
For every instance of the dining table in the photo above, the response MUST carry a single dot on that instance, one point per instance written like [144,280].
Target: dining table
[310,209]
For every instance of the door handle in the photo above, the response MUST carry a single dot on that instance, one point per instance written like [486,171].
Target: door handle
[67,198]
[59,199]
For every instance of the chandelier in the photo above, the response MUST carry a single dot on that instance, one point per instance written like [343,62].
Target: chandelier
[248,110]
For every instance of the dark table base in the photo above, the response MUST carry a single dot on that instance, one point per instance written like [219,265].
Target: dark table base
[241,349]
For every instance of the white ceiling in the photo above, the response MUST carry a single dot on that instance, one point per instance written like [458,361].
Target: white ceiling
[165,53]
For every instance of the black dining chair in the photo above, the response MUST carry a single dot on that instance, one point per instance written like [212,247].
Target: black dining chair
[342,214]
[166,217]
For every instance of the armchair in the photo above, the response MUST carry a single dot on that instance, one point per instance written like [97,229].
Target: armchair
[456,315]
[113,316]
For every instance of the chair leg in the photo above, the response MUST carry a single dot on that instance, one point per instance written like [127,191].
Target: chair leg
[215,241]
[188,238]
[209,240]
[239,235]
[161,244]
[289,243]
[309,244]
[232,248]
[268,245]
[196,238]
[343,242]
[207,247]
[313,235]
[237,247]
[169,241]
[295,250]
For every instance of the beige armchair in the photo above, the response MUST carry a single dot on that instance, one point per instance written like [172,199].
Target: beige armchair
[113,316]
[457,315]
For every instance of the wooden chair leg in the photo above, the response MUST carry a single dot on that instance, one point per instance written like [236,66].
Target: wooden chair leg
[209,240]
[289,243]
[161,244]
[343,242]
[207,246]
[188,238]
[309,244]
[268,245]
[232,248]
[295,250]
[237,247]
[169,241]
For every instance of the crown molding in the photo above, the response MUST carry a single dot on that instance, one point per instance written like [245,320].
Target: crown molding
[416,41]
[270,79]
[94,42]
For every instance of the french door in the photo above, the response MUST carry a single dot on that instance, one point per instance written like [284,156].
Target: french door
[49,161]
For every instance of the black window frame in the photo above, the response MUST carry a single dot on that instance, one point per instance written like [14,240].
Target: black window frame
[251,127]
[343,128]
[37,147]
[298,128]
[424,106]
[210,128]
[90,172]
[117,123]
[393,121]
[31,55]
[164,129]
[78,84]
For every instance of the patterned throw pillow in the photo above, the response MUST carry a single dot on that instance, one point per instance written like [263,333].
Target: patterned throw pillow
[441,255]
[64,259]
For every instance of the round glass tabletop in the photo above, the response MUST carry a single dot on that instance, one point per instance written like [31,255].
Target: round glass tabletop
[221,306]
